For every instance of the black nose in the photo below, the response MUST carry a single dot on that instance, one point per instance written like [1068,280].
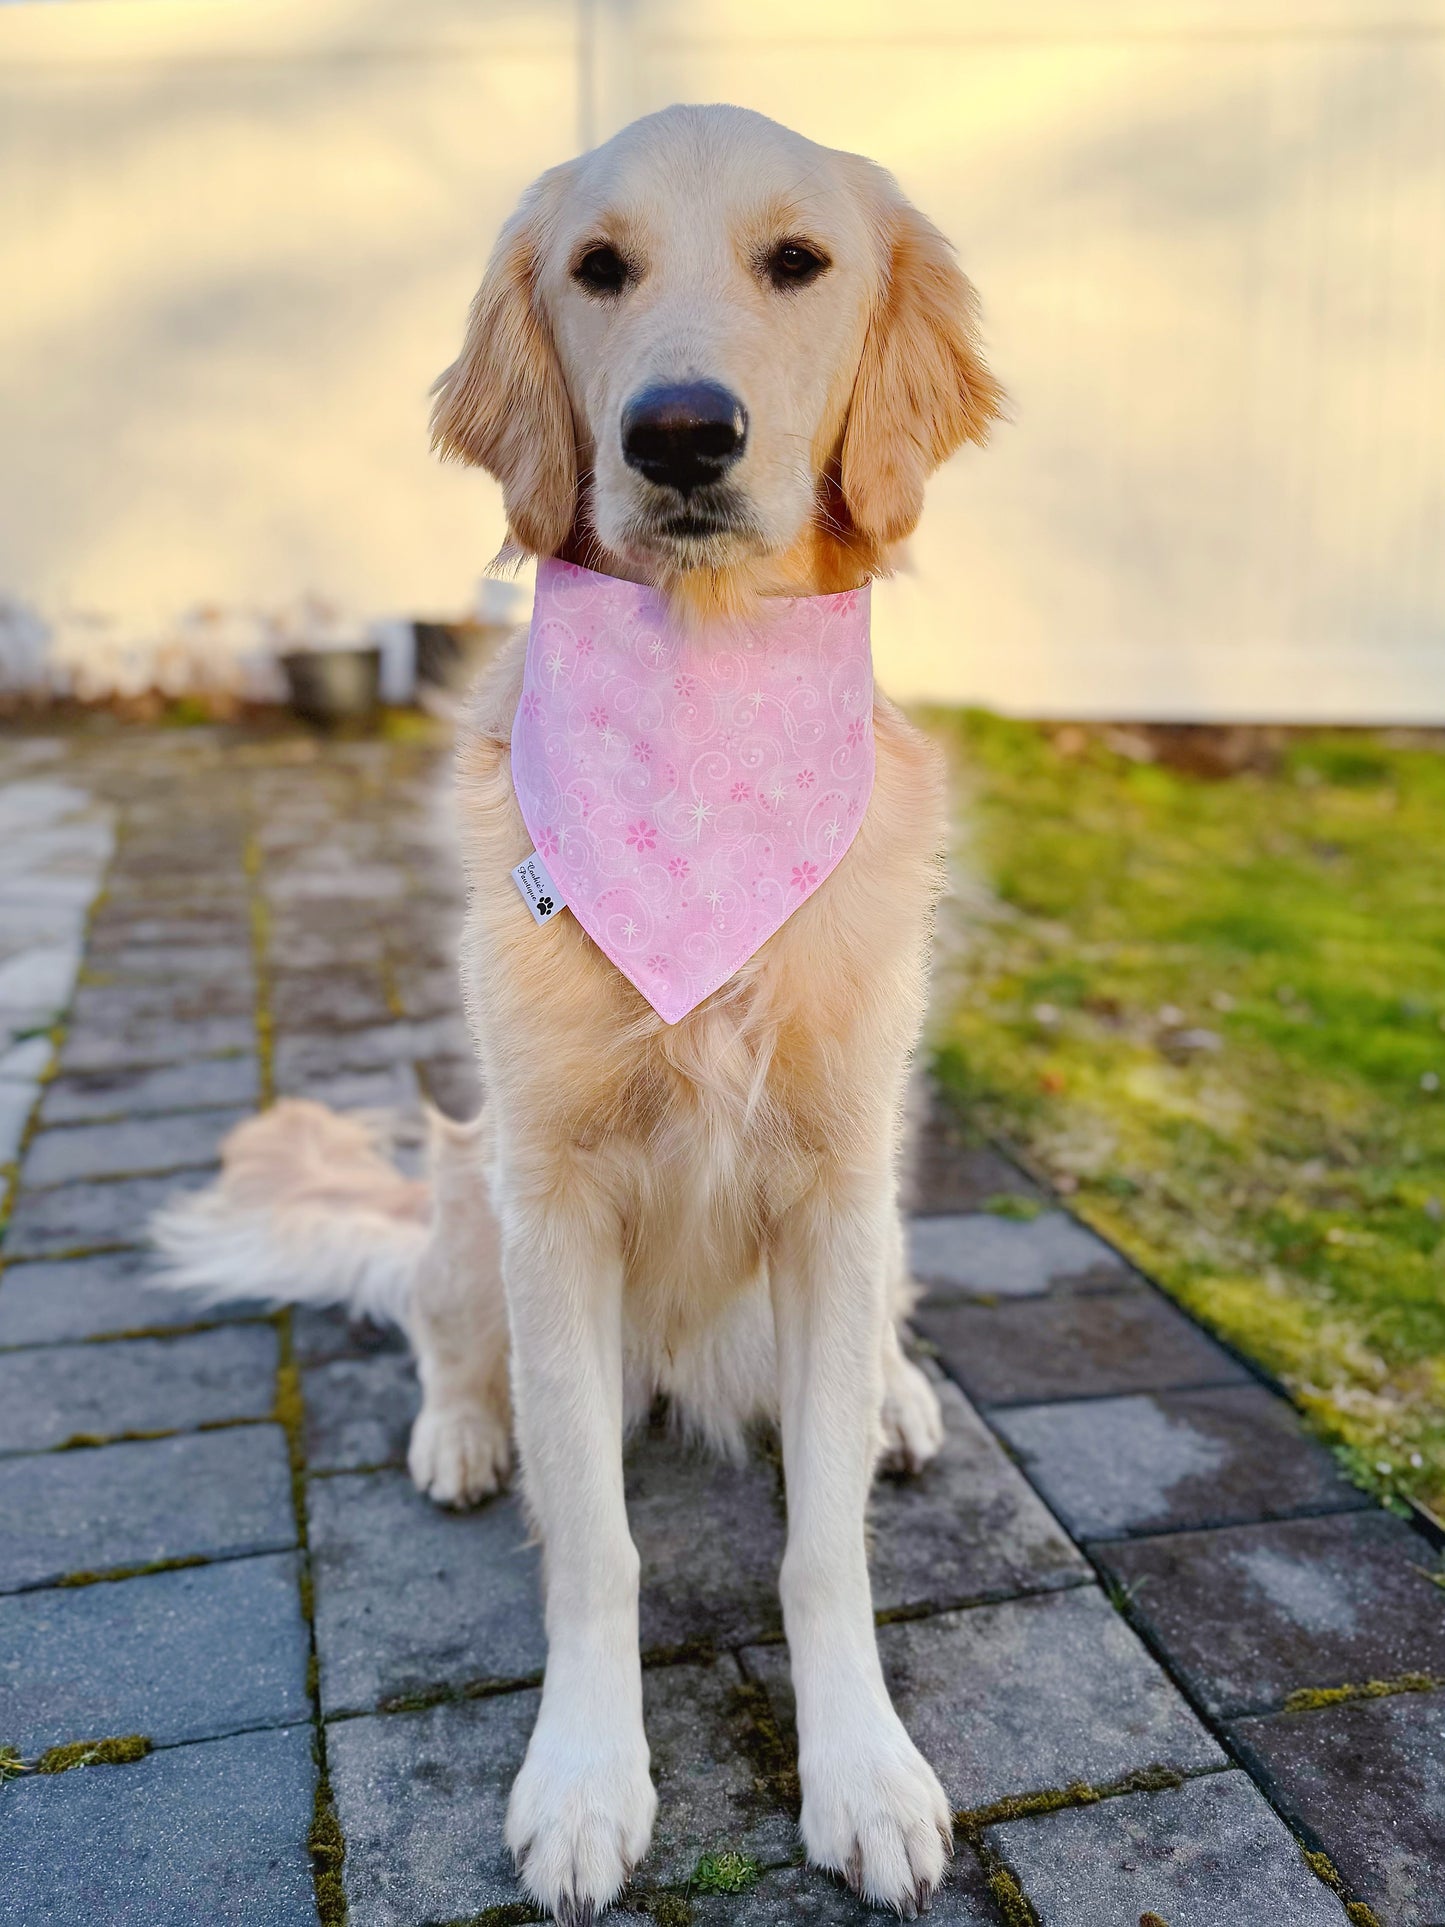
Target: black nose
[684,437]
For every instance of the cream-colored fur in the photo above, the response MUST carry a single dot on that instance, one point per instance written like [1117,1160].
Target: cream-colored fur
[708,1210]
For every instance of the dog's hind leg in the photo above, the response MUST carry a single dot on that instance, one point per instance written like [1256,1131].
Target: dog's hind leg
[457,1320]
[912,1419]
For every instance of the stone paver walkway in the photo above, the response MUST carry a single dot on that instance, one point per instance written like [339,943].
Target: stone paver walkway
[1169,1666]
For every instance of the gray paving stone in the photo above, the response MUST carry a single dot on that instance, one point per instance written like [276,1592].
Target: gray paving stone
[319,1000]
[392,1088]
[801,1894]
[410,1598]
[307,946]
[712,1776]
[205,1494]
[19,1027]
[1032,1694]
[47,1303]
[1249,1614]
[155,1040]
[319,1334]
[207,853]
[27,1061]
[53,1394]
[17,1101]
[41,978]
[214,1833]
[710,1538]
[116,1006]
[227,962]
[207,1084]
[1208,1853]
[84,1217]
[359,1411]
[127,1147]
[170,888]
[329,1054]
[1172,1460]
[80,845]
[433,991]
[72,890]
[422,1798]
[1368,1779]
[131,923]
[340,875]
[988,1256]
[948,1167]
[453,1084]
[1074,1347]
[30,926]
[967,1528]
[186,1655]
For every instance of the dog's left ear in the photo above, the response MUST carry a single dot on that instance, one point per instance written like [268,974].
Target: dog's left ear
[922,388]
[503,403]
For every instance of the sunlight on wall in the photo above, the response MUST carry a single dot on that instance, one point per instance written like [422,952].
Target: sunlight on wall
[239,242]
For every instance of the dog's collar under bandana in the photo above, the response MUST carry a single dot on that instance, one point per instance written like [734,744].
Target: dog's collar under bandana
[687,793]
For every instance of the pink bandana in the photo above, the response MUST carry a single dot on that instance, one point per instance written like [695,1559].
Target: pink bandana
[686,793]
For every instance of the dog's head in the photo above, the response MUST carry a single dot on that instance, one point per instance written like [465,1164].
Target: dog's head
[718,356]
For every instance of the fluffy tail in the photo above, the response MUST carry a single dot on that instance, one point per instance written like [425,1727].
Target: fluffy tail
[307,1210]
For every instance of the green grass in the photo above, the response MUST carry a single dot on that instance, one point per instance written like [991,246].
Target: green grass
[1213,1010]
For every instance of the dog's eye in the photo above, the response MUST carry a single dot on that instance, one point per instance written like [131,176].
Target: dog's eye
[602,269]
[793,264]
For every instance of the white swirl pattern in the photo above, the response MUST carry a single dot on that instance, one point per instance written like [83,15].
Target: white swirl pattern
[688,793]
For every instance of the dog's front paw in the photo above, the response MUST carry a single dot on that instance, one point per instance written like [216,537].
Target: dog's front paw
[459,1454]
[873,1811]
[912,1420]
[579,1820]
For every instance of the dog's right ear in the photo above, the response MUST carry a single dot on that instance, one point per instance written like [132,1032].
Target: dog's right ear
[503,405]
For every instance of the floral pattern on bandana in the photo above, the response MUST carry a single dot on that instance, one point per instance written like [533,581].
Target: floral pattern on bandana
[687,793]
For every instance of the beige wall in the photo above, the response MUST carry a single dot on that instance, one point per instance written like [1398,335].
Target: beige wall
[237,241]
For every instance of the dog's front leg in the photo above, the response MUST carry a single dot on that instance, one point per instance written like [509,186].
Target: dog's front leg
[872,1807]
[581,1810]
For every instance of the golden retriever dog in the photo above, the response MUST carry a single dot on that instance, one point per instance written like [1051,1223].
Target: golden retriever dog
[705,1211]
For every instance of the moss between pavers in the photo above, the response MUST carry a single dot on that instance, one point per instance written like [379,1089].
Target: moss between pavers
[455,1693]
[1009,1897]
[1309,1699]
[113,1573]
[123,1751]
[325,1842]
[972,1821]
[774,1764]
[327,1847]
[666,1909]
[1323,1869]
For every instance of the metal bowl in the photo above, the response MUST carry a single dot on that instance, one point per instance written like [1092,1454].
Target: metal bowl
[334,685]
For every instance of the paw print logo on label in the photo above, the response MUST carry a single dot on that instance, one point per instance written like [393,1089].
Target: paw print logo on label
[540,894]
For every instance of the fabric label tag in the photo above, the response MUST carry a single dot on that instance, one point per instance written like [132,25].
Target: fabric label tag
[539,892]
